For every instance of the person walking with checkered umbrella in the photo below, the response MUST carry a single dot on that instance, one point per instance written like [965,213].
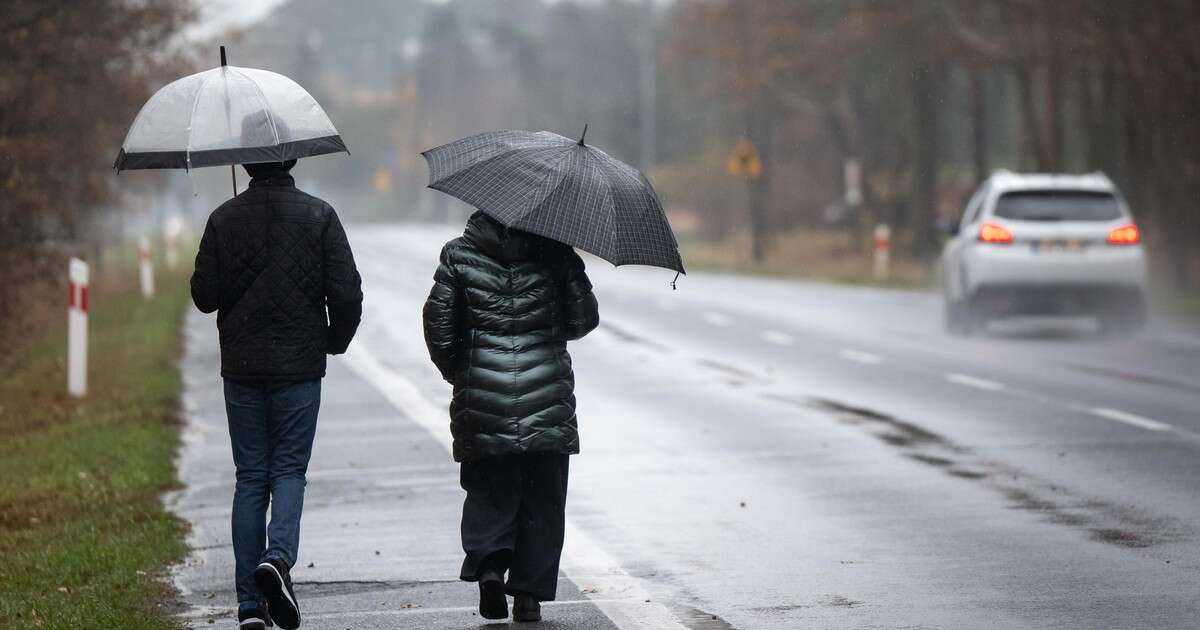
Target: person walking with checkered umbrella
[508,295]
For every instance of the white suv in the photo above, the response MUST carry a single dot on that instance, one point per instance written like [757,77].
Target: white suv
[1045,244]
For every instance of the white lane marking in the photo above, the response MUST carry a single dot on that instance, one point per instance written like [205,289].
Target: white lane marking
[589,566]
[858,356]
[1130,419]
[967,380]
[717,319]
[777,338]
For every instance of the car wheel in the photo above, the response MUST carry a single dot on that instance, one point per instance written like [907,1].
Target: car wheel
[1114,325]
[1124,321]
[954,317]
[1126,314]
[974,318]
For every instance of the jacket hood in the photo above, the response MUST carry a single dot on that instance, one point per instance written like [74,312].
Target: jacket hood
[268,170]
[506,245]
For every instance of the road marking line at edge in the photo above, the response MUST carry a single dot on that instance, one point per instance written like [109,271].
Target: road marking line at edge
[858,356]
[620,596]
[1130,419]
[718,319]
[777,338]
[967,380]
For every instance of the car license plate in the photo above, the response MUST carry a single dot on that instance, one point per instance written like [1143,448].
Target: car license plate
[1054,246]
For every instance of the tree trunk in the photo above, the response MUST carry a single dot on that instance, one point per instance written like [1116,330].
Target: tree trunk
[927,86]
[979,123]
[1093,136]
[758,126]
[1056,158]
[1034,142]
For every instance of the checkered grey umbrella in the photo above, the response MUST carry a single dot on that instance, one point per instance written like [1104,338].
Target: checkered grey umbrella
[561,189]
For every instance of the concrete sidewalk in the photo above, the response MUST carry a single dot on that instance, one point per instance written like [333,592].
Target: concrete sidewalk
[379,545]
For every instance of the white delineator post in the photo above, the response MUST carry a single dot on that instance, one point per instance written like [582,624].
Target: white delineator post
[77,328]
[172,230]
[883,248]
[146,265]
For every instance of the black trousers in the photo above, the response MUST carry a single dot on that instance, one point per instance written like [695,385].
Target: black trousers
[513,520]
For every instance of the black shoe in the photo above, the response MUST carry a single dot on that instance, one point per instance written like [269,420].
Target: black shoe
[526,608]
[275,584]
[254,618]
[493,604]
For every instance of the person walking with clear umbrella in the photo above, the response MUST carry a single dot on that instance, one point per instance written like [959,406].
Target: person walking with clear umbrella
[276,266]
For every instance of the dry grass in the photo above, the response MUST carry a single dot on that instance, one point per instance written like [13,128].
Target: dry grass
[805,253]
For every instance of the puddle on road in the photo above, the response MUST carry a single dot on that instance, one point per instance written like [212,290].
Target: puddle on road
[731,370]
[696,619]
[895,431]
[628,337]
[1102,521]
[1134,377]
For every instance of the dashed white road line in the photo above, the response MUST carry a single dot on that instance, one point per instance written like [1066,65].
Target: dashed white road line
[621,597]
[777,338]
[967,380]
[718,319]
[858,356]
[1130,419]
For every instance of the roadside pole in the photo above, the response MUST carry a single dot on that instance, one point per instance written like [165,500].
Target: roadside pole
[172,231]
[883,250]
[744,162]
[77,328]
[146,267]
[852,180]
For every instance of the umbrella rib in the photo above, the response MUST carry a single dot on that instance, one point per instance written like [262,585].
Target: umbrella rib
[262,97]
[612,223]
[534,205]
[192,117]
[482,162]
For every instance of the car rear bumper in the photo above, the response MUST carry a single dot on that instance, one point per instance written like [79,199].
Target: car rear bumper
[1017,265]
[1047,299]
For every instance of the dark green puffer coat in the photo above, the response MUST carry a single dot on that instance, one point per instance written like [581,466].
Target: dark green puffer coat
[504,304]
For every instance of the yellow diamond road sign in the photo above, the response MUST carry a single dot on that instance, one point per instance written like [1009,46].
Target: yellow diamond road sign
[744,162]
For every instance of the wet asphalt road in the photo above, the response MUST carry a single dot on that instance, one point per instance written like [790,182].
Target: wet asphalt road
[767,454]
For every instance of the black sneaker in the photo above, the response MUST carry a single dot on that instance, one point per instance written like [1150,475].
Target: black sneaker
[526,608]
[254,618]
[493,604]
[275,584]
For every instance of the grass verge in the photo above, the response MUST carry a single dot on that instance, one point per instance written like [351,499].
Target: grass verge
[810,254]
[83,534]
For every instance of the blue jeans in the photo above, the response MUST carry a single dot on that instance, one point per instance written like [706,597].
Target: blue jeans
[271,427]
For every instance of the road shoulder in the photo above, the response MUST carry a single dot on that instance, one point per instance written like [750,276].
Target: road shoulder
[379,546]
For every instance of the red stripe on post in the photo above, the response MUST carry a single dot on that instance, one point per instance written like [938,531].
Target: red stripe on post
[71,298]
[83,300]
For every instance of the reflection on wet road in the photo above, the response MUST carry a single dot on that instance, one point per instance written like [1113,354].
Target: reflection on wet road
[788,455]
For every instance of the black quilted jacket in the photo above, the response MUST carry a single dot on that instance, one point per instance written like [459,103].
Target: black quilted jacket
[272,261]
[503,305]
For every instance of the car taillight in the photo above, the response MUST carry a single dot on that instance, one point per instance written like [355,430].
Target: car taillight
[1125,235]
[992,233]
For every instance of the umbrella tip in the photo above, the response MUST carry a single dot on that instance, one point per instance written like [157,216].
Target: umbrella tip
[222,56]
[584,134]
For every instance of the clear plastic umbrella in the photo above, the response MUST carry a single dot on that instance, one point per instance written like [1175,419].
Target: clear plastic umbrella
[227,115]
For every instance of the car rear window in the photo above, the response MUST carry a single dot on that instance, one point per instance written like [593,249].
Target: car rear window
[1058,205]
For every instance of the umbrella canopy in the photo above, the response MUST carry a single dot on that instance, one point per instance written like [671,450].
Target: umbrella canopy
[227,115]
[571,192]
